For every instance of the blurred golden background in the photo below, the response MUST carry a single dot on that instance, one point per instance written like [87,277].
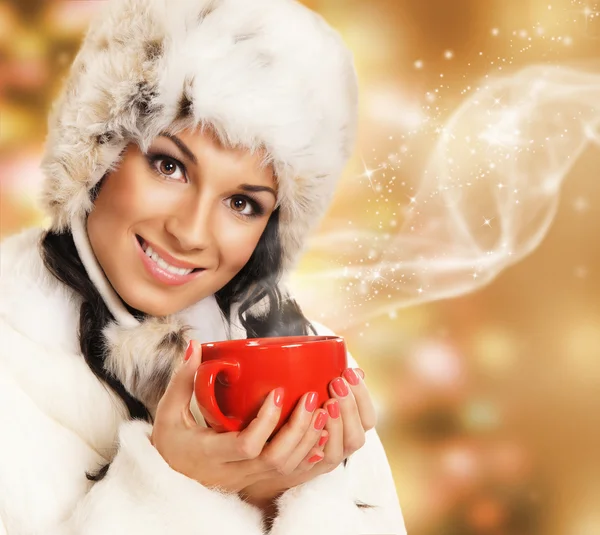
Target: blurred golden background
[488,392]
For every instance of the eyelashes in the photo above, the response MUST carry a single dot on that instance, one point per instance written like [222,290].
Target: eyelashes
[258,209]
[152,159]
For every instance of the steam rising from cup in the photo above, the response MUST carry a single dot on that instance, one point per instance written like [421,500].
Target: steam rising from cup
[486,199]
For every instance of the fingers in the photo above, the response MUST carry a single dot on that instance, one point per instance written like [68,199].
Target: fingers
[311,438]
[334,448]
[174,406]
[353,432]
[283,447]
[315,454]
[248,443]
[303,471]
[355,380]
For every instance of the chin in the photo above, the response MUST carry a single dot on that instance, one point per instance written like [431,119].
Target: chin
[152,307]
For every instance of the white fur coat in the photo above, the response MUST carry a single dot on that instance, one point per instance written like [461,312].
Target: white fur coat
[57,421]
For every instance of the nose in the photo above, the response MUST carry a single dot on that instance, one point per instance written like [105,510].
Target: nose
[191,226]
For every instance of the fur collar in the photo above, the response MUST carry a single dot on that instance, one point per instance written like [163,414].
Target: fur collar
[141,355]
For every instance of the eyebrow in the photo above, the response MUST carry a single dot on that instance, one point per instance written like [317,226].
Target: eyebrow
[181,145]
[253,188]
[184,148]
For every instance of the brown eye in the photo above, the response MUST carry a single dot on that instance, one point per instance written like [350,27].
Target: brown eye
[245,206]
[238,204]
[167,167]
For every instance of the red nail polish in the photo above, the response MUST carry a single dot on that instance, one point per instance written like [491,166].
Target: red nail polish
[311,401]
[351,376]
[323,440]
[315,458]
[334,409]
[189,351]
[321,420]
[278,397]
[339,387]
[360,372]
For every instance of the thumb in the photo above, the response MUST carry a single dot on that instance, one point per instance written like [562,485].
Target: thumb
[177,397]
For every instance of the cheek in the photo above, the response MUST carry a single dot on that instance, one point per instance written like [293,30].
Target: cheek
[237,245]
[119,205]
[128,201]
[130,195]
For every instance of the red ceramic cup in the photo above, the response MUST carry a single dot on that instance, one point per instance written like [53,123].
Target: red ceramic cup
[236,376]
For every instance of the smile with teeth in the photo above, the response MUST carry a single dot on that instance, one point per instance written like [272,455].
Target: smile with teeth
[150,253]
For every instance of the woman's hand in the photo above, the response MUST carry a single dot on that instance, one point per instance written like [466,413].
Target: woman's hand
[231,461]
[351,414]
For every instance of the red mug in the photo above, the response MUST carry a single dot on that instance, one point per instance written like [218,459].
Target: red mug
[236,376]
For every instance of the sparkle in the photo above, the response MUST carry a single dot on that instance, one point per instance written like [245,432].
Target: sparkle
[501,138]
[448,54]
[581,205]
[368,173]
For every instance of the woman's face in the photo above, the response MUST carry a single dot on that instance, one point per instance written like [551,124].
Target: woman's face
[195,203]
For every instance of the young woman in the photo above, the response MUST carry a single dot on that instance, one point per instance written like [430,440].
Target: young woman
[195,145]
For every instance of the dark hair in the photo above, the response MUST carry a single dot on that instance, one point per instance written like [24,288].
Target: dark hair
[256,280]
[259,279]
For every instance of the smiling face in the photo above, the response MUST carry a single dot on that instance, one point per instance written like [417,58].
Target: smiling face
[197,204]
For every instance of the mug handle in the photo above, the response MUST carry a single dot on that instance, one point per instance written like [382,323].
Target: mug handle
[206,377]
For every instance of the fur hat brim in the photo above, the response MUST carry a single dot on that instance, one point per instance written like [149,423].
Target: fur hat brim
[265,74]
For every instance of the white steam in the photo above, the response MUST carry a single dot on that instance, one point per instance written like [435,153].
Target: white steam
[486,199]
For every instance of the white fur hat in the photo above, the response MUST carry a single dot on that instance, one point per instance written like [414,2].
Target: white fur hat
[261,73]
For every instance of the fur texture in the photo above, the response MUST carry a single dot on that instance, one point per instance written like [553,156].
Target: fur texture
[63,421]
[263,74]
[165,340]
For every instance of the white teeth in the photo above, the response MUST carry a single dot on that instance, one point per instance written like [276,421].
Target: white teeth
[178,271]
[167,267]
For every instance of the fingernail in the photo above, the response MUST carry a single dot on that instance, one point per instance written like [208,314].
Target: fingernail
[351,376]
[334,409]
[189,351]
[339,387]
[315,458]
[360,372]
[323,440]
[311,401]
[278,396]
[321,420]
